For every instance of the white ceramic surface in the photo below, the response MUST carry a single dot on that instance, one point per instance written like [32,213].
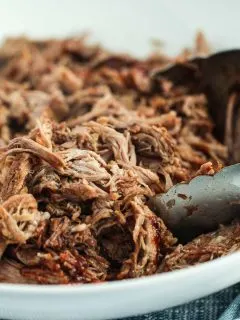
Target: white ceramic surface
[118,299]
[126,25]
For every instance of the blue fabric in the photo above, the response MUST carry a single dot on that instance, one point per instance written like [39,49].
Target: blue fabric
[224,305]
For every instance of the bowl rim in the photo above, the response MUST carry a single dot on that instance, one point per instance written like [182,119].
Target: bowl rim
[121,285]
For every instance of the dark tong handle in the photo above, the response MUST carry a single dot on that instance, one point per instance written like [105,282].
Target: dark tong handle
[216,76]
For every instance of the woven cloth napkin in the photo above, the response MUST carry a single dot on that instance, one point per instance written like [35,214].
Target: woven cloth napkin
[224,305]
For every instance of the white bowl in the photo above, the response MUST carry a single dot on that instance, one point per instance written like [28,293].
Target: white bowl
[119,298]
[126,25]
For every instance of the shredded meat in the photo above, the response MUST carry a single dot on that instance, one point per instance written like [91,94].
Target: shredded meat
[86,138]
[204,248]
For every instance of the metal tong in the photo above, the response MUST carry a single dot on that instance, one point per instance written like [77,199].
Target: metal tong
[189,209]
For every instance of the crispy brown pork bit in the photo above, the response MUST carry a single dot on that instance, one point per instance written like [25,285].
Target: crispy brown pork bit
[14,171]
[86,137]
[204,248]
[10,272]
[151,240]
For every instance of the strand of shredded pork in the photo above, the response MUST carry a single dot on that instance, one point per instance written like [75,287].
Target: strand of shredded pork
[86,138]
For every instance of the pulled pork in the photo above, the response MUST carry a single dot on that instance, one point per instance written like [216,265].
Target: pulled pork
[204,248]
[86,138]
